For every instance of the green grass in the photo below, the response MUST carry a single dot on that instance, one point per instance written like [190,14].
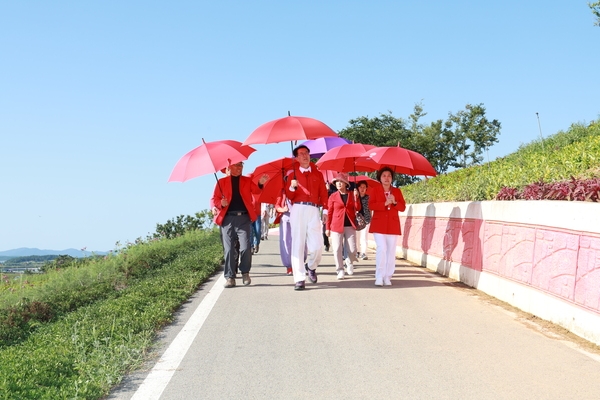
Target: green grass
[575,152]
[106,317]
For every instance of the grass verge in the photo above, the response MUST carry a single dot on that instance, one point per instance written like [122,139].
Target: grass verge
[82,353]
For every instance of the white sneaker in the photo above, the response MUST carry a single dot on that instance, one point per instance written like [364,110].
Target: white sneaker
[340,274]
[387,282]
[378,282]
[349,267]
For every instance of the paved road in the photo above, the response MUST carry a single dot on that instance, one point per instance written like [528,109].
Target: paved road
[422,338]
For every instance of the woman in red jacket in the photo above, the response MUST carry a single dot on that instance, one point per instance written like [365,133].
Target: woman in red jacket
[341,225]
[385,202]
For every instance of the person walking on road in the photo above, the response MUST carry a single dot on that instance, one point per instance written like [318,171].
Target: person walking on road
[385,202]
[307,192]
[255,225]
[341,227]
[232,197]
[266,212]
[283,207]
[361,236]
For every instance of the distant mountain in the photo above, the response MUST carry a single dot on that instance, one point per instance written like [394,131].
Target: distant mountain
[27,251]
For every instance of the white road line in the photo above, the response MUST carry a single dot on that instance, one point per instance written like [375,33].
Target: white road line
[159,377]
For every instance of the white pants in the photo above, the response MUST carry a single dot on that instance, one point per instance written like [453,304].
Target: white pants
[306,233]
[337,244]
[385,257]
[361,240]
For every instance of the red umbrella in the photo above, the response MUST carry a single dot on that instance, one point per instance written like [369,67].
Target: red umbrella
[209,158]
[348,158]
[370,181]
[401,160]
[276,170]
[289,128]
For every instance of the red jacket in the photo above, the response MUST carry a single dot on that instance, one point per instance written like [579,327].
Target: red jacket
[311,186]
[336,210]
[223,188]
[385,219]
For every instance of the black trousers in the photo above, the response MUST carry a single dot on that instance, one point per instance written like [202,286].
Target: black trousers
[236,228]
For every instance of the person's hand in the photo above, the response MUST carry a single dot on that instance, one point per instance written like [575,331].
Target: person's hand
[224,202]
[215,211]
[294,183]
[263,179]
[328,232]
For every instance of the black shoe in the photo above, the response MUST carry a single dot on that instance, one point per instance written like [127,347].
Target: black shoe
[312,275]
[326,248]
[256,249]
[299,285]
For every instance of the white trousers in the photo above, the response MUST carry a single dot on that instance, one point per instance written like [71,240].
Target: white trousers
[306,234]
[337,244]
[385,257]
[361,240]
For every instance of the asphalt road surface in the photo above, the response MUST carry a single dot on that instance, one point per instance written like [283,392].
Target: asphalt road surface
[425,337]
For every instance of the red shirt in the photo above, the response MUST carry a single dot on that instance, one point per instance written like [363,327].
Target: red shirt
[337,210]
[223,189]
[385,219]
[311,186]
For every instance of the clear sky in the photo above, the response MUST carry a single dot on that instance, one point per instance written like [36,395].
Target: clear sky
[99,100]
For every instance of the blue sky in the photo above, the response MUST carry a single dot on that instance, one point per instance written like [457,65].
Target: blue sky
[99,100]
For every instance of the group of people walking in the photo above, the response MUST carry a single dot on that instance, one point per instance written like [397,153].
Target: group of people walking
[301,225]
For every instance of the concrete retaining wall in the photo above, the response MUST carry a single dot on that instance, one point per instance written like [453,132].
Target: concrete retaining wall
[542,257]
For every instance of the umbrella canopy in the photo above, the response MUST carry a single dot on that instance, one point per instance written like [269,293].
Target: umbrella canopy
[370,181]
[276,170]
[401,160]
[289,129]
[209,158]
[348,158]
[320,146]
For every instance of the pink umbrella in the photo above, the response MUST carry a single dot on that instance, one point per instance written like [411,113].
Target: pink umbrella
[209,158]
[289,128]
[401,160]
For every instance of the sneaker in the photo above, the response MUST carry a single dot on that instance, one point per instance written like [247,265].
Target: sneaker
[349,267]
[312,275]
[246,279]
[230,282]
[299,285]
[256,249]
[378,282]
[387,282]
[340,274]
[289,271]
[363,256]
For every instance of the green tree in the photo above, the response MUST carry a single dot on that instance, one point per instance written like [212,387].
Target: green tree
[472,133]
[183,223]
[595,7]
[384,130]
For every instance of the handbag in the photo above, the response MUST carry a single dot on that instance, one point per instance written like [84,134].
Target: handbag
[361,222]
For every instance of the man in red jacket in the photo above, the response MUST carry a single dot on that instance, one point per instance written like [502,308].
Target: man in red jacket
[307,192]
[233,199]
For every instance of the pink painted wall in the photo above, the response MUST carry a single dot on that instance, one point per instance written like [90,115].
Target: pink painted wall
[562,262]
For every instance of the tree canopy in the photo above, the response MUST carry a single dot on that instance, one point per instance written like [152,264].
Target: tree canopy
[458,142]
[595,7]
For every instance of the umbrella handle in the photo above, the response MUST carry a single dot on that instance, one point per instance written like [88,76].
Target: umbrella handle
[219,185]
